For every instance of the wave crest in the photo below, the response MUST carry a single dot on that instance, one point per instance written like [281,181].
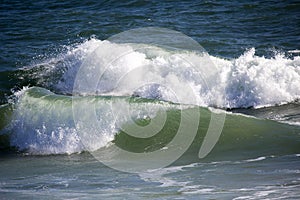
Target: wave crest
[246,81]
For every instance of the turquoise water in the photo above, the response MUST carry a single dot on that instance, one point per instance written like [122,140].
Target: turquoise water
[216,121]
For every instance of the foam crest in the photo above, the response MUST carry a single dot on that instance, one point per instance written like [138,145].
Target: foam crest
[43,122]
[153,72]
[256,81]
[39,128]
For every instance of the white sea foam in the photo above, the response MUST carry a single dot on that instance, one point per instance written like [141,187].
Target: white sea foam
[124,69]
[161,176]
[256,159]
[43,123]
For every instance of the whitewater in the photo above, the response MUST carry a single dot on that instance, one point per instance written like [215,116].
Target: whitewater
[246,81]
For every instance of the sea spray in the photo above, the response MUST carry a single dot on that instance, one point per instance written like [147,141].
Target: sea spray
[246,81]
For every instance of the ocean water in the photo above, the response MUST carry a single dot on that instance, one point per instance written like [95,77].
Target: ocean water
[149,100]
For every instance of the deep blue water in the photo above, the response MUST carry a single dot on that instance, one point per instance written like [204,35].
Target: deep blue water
[38,28]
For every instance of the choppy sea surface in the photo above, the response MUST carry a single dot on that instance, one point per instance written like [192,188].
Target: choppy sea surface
[72,89]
